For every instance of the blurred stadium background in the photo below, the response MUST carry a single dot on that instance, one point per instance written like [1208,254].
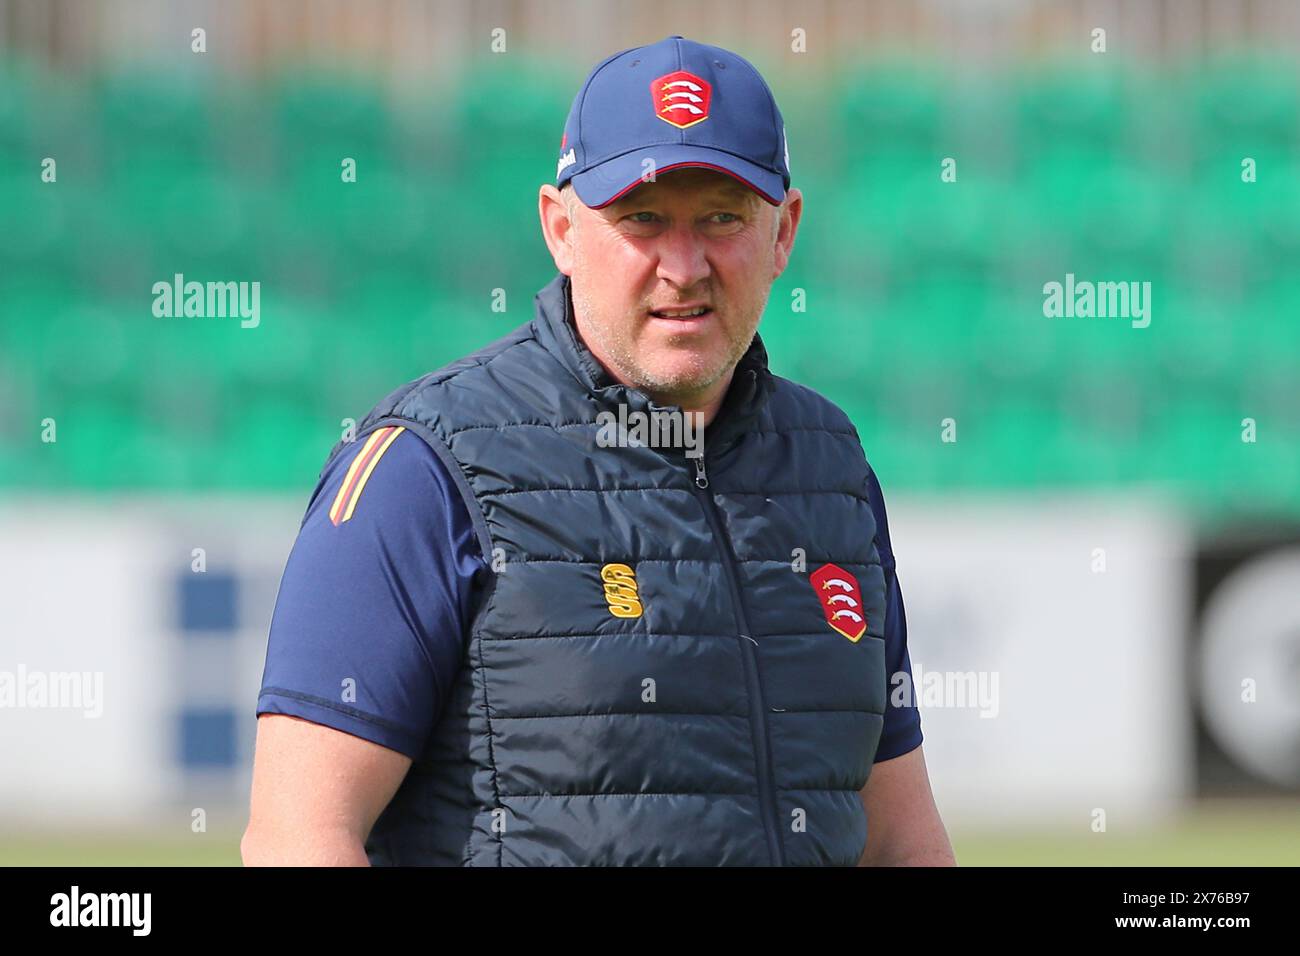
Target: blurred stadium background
[1103,537]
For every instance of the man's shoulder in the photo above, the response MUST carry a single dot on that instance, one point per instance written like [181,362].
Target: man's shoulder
[461,383]
[377,475]
[464,370]
[798,406]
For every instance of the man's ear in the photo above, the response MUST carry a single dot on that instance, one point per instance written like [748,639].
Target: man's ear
[789,213]
[557,229]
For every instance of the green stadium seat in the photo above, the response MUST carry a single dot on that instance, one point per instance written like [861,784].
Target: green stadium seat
[924,298]
[1252,96]
[1081,107]
[887,114]
[321,117]
[153,121]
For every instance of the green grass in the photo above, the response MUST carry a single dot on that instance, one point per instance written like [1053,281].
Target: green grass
[118,849]
[1232,834]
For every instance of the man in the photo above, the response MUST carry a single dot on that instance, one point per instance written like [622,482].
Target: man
[517,630]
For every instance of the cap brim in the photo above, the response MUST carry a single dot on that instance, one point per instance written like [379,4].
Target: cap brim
[603,184]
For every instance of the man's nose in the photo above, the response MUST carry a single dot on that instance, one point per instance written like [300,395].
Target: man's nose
[682,260]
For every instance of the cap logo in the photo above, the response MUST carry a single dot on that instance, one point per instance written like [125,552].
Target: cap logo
[681,98]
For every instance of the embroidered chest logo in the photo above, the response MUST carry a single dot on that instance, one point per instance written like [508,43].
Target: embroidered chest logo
[620,590]
[841,600]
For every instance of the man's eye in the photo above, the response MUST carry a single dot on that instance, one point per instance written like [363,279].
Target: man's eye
[632,216]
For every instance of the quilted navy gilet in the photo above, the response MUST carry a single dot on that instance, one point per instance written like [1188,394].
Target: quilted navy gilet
[726,723]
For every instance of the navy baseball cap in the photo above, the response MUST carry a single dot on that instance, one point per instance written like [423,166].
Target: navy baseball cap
[670,104]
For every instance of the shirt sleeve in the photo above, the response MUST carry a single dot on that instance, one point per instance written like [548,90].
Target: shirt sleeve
[902,729]
[369,623]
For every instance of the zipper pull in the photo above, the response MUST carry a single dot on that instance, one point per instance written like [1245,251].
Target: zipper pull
[701,477]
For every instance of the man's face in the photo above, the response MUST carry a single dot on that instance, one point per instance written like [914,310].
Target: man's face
[692,237]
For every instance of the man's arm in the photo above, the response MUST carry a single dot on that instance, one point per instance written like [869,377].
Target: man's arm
[903,824]
[375,598]
[316,794]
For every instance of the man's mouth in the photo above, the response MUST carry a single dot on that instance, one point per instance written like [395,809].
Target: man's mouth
[682,314]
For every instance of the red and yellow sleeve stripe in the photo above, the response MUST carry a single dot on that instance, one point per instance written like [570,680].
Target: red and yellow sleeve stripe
[345,502]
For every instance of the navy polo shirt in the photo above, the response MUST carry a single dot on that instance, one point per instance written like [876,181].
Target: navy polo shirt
[378,593]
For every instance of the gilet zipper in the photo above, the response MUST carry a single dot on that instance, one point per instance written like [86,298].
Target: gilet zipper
[757,718]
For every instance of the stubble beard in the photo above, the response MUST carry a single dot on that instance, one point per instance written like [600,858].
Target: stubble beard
[614,345]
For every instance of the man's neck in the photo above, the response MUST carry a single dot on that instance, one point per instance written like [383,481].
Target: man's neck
[708,404]
[708,401]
